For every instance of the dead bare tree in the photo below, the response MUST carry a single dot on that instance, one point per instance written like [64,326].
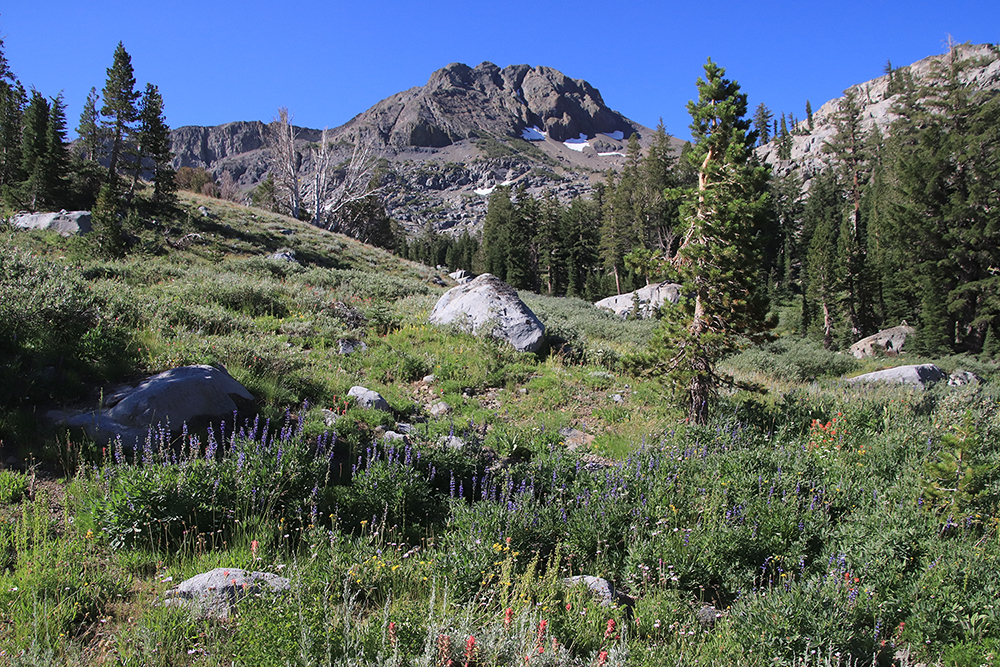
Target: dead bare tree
[335,190]
[286,161]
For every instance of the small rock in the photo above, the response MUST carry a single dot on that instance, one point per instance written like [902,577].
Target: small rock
[451,442]
[602,589]
[430,379]
[346,346]
[617,398]
[574,438]
[366,398]
[215,593]
[438,409]
[329,417]
[393,436]
[961,378]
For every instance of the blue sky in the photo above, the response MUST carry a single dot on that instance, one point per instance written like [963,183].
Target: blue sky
[217,62]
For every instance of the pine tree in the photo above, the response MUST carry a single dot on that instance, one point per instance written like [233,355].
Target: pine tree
[850,148]
[153,142]
[784,141]
[57,161]
[119,108]
[12,101]
[822,281]
[809,115]
[34,150]
[496,232]
[580,224]
[720,257]
[762,123]
[89,129]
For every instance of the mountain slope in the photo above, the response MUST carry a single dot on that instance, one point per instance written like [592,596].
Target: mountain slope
[876,102]
[446,145]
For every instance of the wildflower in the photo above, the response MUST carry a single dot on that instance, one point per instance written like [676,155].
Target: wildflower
[602,658]
[470,650]
[508,615]
[610,631]
[254,545]
[392,634]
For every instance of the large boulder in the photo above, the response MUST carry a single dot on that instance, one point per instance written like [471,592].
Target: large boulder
[489,302]
[66,223]
[193,395]
[921,375]
[888,341]
[215,593]
[644,301]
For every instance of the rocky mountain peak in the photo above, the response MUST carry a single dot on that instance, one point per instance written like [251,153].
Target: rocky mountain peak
[461,102]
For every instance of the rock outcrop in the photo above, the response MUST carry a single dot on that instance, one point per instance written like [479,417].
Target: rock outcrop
[192,395]
[922,376]
[66,223]
[876,111]
[489,305]
[643,301]
[888,341]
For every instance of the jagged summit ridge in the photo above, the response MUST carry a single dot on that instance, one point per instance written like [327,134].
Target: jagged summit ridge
[461,102]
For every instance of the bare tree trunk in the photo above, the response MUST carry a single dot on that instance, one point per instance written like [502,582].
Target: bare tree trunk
[285,160]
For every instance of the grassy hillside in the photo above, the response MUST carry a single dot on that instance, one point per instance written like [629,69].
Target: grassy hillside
[813,524]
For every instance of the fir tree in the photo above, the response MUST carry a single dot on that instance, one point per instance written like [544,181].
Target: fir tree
[119,106]
[762,123]
[89,130]
[34,151]
[809,115]
[153,142]
[720,257]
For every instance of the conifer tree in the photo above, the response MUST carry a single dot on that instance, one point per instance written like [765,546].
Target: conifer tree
[34,149]
[720,256]
[89,128]
[12,101]
[945,205]
[809,115]
[152,140]
[762,123]
[119,108]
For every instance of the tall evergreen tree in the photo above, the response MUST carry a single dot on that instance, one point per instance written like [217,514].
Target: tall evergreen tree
[119,108]
[12,101]
[762,123]
[580,225]
[850,148]
[809,115]
[34,152]
[89,128]
[820,276]
[152,140]
[720,257]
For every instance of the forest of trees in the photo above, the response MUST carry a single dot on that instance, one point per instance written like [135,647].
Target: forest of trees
[900,225]
[123,137]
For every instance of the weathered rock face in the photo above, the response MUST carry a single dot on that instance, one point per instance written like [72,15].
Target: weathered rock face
[461,102]
[922,376]
[193,395]
[485,302]
[887,341]
[66,223]
[215,594]
[807,156]
[647,298]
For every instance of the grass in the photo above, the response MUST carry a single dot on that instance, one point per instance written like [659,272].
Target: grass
[811,525]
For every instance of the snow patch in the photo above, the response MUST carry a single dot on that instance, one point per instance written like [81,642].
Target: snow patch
[611,153]
[577,144]
[617,135]
[507,183]
[485,192]
[533,134]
